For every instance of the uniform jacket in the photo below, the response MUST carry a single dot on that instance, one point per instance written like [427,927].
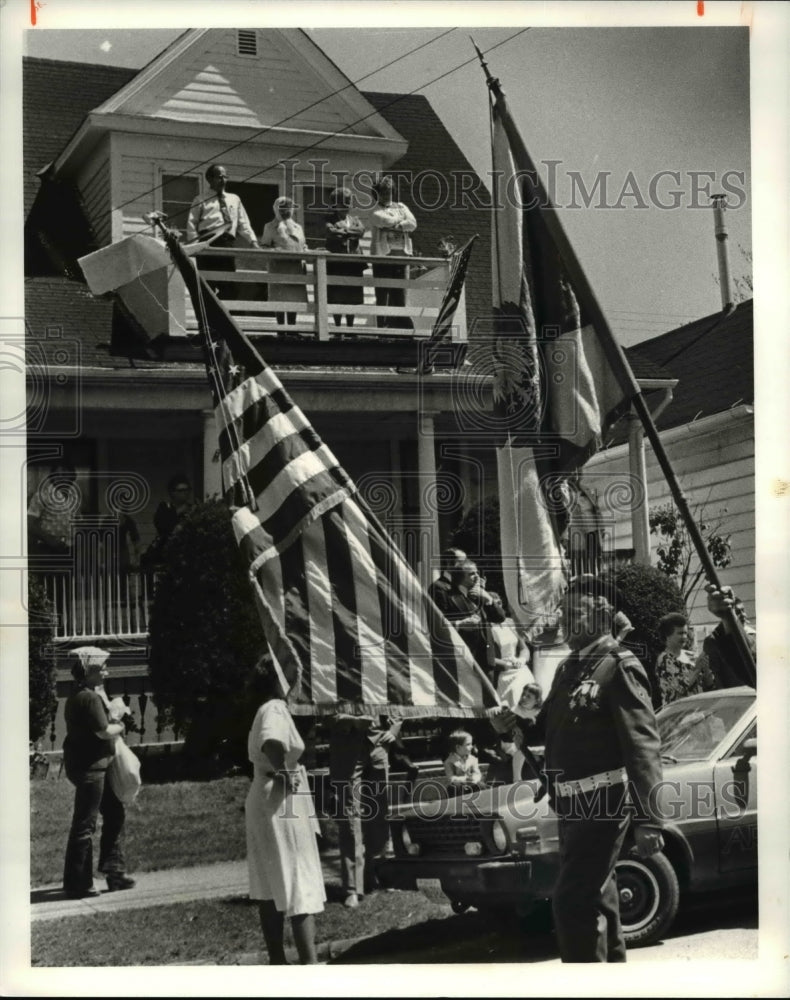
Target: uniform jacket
[598,717]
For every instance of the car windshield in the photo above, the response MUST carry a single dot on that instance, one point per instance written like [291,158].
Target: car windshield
[692,728]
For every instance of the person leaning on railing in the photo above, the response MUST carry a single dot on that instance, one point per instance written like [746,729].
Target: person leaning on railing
[219,218]
[343,233]
[283,232]
[391,226]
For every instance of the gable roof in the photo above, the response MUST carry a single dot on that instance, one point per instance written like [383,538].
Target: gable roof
[201,77]
[712,359]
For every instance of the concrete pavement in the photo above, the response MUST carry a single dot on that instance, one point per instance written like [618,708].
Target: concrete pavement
[173,885]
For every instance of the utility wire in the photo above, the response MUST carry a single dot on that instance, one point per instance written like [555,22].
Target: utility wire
[296,114]
[345,128]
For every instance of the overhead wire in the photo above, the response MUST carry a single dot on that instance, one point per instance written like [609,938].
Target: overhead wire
[376,111]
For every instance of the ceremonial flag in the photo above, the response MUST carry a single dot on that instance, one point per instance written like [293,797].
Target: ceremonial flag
[452,296]
[556,393]
[347,621]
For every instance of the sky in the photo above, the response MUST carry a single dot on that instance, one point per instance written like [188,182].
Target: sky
[660,115]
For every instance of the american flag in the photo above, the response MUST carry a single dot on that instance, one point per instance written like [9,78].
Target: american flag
[556,393]
[347,621]
[444,319]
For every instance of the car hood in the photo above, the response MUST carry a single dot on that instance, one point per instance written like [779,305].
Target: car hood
[501,800]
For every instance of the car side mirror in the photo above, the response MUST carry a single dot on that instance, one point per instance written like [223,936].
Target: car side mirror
[749,748]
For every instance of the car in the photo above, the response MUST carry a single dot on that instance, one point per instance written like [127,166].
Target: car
[496,848]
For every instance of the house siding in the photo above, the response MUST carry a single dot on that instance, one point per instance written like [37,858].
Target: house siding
[95,190]
[715,467]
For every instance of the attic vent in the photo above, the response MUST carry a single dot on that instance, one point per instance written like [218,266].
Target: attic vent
[247,43]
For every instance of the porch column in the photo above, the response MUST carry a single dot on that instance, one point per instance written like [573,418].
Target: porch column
[212,475]
[429,522]
[640,526]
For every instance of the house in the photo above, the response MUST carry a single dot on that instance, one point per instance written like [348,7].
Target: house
[707,430]
[126,399]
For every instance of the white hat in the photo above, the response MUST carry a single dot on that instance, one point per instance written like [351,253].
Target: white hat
[91,656]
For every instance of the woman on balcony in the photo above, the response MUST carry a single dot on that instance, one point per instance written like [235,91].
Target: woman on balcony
[87,751]
[285,233]
[343,233]
[391,226]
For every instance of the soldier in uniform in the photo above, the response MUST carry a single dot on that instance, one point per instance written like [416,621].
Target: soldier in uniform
[602,761]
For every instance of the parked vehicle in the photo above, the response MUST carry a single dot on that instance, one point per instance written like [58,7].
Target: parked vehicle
[498,847]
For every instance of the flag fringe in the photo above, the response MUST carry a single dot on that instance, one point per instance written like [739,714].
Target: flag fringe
[323,709]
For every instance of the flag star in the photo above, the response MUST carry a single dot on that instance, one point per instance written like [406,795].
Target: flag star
[234,369]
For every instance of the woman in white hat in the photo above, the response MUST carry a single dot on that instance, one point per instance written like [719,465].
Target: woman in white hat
[283,232]
[87,751]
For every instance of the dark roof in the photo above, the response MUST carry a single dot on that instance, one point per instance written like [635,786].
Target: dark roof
[57,96]
[434,154]
[712,359]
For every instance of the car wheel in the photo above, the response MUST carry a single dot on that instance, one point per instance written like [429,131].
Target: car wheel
[649,897]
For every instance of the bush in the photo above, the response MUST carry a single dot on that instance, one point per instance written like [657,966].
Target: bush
[646,595]
[205,635]
[478,532]
[41,662]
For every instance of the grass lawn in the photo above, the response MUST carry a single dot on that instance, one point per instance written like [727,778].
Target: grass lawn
[212,931]
[168,826]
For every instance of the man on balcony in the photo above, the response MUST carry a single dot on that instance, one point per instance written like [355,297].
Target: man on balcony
[219,218]
[391,226]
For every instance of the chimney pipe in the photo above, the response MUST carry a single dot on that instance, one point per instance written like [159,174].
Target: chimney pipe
[720,229]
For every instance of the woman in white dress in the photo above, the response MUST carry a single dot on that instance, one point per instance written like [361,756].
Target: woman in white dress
[282,853]
[283,232]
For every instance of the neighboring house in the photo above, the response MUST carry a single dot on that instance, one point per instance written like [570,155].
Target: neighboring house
[708,432]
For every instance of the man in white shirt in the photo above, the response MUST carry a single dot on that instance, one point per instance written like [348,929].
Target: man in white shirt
[221,219]
[391,226]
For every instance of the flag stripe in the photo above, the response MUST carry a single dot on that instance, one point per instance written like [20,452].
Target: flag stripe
[323,662]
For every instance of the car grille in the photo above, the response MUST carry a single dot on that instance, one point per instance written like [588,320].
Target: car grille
[444,835]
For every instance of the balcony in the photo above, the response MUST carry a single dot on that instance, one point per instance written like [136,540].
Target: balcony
[308,332]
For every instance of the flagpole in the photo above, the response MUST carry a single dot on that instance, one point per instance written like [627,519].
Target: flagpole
[618,361]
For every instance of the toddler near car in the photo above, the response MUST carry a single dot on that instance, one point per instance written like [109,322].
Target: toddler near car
[461,766]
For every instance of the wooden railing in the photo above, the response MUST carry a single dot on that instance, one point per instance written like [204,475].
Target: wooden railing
[256,312]
[99,605]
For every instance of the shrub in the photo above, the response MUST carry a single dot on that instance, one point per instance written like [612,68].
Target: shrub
[205,633]
[646,595]
[41,662]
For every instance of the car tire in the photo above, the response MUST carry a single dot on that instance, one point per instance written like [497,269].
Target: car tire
[649,897]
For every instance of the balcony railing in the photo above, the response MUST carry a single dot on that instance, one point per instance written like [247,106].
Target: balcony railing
[255,309]
[99,605]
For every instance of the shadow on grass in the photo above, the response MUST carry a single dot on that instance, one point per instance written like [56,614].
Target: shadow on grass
[467,937]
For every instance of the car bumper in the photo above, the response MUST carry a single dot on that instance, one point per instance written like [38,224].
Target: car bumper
[489,882]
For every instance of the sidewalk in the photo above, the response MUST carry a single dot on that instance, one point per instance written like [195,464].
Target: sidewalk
[173,885]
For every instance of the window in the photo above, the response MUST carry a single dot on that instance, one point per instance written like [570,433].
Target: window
[247,42]
[178,190]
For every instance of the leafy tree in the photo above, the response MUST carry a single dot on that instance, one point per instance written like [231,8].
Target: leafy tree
[41,662]
[677,557]
[205,633]
[478,533]
[645,594]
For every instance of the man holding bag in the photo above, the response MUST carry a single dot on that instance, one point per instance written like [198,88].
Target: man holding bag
[88,751]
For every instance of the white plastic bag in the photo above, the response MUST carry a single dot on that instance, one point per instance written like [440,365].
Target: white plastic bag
[124,773]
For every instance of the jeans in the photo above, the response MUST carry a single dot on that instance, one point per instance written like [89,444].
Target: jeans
[93,796]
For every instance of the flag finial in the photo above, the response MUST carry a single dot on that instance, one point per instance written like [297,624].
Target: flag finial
[493,83]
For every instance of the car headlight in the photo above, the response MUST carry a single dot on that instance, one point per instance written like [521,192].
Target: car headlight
[409,846]
[473,848]
[496,836]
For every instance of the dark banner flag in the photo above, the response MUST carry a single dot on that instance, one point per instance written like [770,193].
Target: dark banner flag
[452,296]
[556,393]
